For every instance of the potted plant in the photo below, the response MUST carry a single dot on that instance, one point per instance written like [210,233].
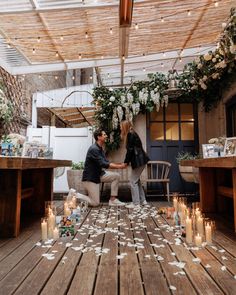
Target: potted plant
[188,173]
[74,177]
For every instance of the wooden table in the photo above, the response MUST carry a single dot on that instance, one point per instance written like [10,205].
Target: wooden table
[213,181]
[21,178]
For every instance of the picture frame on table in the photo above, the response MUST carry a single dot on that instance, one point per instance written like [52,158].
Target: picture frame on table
[209,151]
[230,147]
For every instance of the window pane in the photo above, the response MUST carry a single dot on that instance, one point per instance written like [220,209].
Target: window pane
[157,116]
[156,131]
[186,111]
[172,131]
[187,131]
[172,112]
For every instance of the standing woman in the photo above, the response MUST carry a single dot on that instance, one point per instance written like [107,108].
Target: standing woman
[138,159]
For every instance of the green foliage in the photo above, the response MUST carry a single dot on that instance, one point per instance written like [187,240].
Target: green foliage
[77,166]
[186,156]
[204,80]
[6,107]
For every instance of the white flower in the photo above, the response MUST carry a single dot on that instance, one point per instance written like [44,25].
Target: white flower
[143,96]
[215,75]
[221,65]
[135,108]
[204,78]
[199,66]
[207,57]
[122,99]
[192,81]
[134,87]
[203,85]
[112,98]
[115,121]
[120,113]
[110,89]
[214,59]
[130,98]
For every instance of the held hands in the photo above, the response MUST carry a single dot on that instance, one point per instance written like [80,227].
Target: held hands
[123,165]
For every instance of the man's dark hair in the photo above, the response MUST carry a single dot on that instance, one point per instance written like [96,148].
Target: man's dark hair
[97,133]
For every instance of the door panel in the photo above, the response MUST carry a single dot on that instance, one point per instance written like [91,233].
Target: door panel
[171,131]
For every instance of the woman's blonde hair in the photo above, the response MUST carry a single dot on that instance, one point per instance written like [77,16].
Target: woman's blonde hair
[125,127]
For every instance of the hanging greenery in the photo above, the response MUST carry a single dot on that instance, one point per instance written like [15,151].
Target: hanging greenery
[6,108]
[204,79]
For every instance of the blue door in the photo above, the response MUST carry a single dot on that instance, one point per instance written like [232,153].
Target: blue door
[169,131]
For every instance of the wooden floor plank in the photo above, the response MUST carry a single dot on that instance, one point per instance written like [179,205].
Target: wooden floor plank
[224,279]
[85,275]
[151,269]
[145,270]
[10,261]
[165,253]
[130,276]
[107,277]
[199,277]
[44,270]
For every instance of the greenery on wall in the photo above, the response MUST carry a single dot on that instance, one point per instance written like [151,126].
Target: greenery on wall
[204,80]
[6,108]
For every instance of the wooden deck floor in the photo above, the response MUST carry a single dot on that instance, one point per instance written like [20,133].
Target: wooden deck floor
[117,251]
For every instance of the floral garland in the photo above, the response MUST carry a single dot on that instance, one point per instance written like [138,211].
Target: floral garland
[6,108]
[204,79]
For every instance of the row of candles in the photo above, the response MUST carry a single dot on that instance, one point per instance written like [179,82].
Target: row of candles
[49,228]
[197,229]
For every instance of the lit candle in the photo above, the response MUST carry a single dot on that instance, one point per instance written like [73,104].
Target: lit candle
[197,212]
[175,203]
[67,211]
[198,240]
[44,229]
[200,227]
[208,231]
[74,202]
[55,233]
[189,230]
[183,214]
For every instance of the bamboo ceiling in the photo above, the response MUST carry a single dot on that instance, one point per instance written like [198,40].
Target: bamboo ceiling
[79,34]
[52,35]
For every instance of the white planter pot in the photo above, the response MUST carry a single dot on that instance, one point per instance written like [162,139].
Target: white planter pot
[74,179]
[189,173]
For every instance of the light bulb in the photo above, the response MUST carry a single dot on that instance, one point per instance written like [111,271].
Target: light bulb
[216,3]
[61,38]
[57,54]
[162,19]
[164,54]
[136,26]
[34,51]
[189,13]
[38,39]
[80,56]
[86,35]
[111,32]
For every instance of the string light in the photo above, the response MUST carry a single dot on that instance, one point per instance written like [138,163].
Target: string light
[136,26]
[56,77]
[216,3]
[57,54]
[40,76]
[38,39]
[86,35]
[123,57]
[144,54]
[144,70]
[180,59]
[61,38]
[8,45]
[189,13]
[34,51]
[111,32]
[91,77]
[162,19]
[102,57]
[164,54]
[73,77]
[108,75]
[162,65]
[80,56]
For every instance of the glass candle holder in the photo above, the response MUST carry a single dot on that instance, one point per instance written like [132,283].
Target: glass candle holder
[44,229]
[209,231]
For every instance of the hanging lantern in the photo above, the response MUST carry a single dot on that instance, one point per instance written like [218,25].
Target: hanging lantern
[172,77]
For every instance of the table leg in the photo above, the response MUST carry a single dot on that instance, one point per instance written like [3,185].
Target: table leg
[234,196]
[207,189]
[10,202]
